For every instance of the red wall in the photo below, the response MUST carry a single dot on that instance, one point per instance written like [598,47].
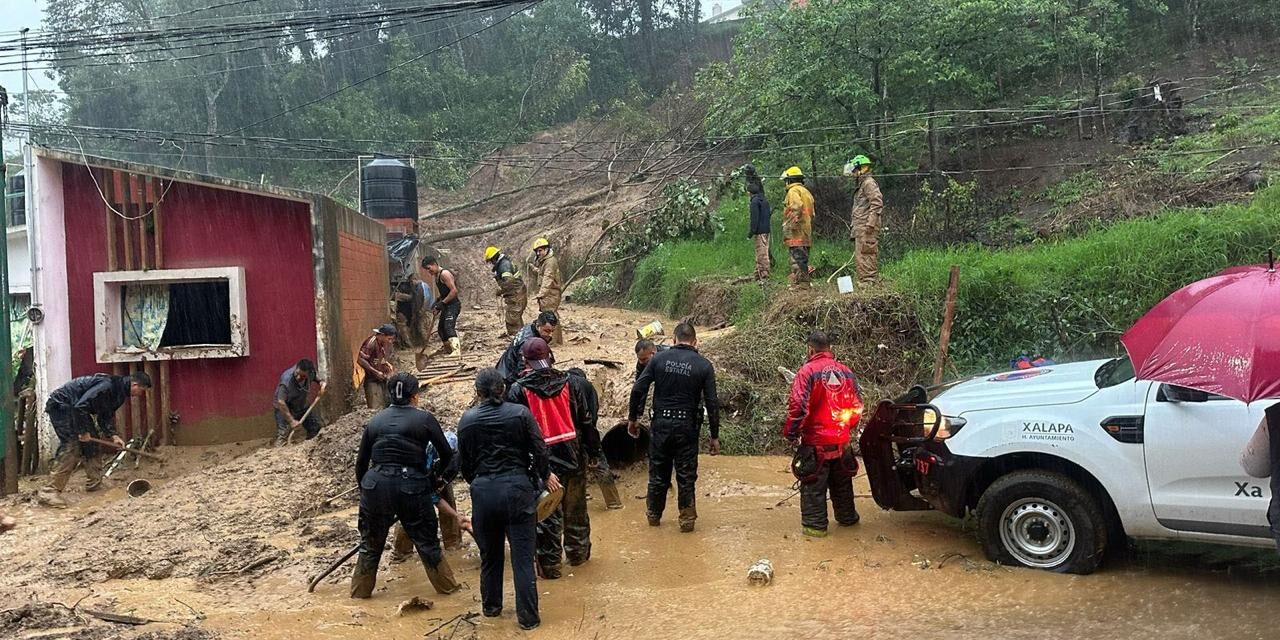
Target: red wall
[220,399]
[364,289]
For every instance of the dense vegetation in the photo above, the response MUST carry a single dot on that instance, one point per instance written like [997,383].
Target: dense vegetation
[445,89]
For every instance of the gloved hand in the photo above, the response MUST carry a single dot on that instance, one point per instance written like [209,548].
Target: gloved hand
[438,306]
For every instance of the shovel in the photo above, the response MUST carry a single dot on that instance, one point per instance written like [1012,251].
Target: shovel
[136,452]
[289,438]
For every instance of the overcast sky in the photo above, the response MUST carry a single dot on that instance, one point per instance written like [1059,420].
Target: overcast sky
[16,15]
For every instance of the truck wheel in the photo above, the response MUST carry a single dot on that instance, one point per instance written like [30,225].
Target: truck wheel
[1042,520]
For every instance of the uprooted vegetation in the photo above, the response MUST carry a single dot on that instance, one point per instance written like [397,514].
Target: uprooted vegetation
[876,333]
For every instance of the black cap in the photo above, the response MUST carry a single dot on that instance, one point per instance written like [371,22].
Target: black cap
[386,330]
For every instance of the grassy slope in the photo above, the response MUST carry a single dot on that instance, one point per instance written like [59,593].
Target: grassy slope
[661,279]
[1073,298]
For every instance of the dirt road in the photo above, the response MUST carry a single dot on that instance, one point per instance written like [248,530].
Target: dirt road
[179,556]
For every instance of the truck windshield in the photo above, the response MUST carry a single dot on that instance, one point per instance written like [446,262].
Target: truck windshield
[1113,372]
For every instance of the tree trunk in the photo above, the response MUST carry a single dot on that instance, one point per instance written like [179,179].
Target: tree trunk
[10,461]
[877,126]
[646,36]
[212,91]
[933,135]
[1193,18]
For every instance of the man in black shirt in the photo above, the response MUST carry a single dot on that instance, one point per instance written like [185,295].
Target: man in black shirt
[449,306]
[390,467]
[290,401]
[504,459]
[645,350]
[511,363]
[683,381]
[73,409]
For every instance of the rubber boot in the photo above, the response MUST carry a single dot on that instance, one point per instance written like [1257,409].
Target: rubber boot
[48,497]
[363,578]
[441,577]
[687,518]
[455,346]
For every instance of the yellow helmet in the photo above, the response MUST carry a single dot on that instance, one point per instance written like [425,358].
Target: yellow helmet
[793,172]
[489,253]
[540,243]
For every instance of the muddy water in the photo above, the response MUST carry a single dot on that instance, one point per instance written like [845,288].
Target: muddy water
[868,581]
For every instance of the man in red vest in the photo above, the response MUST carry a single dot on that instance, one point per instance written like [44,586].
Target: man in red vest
[824,408]
[561,405]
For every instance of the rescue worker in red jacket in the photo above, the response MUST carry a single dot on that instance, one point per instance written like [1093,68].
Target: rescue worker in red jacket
[562,405]
[824,408]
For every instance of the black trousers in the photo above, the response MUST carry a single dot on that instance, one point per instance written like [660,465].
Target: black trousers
[567,531]
[449,320]
[391,493]
[503,508]
[813,497]
[673,446]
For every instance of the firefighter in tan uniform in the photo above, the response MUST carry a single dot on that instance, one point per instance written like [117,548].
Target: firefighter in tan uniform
[545,270]
[515,296]
[868,204]
[797,226]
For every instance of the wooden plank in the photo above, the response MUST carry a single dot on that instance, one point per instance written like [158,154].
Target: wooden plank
[109,179]
[135,408]
[152,409]
[140,197]
[117,369]
[125,199]
[158,195]
[165,426]
[948,318]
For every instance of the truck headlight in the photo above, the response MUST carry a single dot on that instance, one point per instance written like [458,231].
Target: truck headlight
[948,427]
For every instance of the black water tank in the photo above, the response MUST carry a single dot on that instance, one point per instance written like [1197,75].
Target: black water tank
[389,189]
[16,196]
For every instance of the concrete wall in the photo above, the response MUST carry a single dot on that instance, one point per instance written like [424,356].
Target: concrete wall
[353,268]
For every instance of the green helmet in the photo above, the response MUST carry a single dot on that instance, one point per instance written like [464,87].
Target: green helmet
[857,161]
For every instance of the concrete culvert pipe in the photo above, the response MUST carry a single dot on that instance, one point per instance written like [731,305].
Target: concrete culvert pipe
[138,487]
[621,450]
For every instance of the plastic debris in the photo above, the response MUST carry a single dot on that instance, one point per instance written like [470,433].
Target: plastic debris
[760,573]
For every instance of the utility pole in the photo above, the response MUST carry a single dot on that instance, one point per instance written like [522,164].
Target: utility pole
[8,449]
[26,90]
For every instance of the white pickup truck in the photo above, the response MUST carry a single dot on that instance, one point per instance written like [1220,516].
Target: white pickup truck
[1059,462]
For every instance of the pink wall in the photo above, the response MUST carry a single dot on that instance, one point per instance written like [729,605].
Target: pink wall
[223,399]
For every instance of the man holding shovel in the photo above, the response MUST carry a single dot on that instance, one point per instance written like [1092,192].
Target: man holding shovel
[291,408]
[72,410]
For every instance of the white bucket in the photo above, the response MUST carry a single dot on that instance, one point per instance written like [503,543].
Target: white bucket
[845,283]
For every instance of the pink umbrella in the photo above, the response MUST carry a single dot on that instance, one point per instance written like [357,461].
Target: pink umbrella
[1220,335]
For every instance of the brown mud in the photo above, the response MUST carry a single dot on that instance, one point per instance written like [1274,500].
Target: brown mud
[187,555]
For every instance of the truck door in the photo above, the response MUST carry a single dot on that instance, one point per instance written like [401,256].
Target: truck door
[1193,442]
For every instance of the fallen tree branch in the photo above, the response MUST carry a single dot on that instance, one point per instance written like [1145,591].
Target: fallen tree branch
[117,617]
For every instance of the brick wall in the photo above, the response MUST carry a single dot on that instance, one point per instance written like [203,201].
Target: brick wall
[364,289]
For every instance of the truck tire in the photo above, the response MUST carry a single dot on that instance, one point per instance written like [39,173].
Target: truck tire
[1042,520]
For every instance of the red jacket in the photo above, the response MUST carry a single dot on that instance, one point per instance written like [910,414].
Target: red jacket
[825,403]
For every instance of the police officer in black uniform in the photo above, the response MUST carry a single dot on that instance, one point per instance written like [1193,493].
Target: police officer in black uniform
[683,381]
[393,485]
[503,456]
